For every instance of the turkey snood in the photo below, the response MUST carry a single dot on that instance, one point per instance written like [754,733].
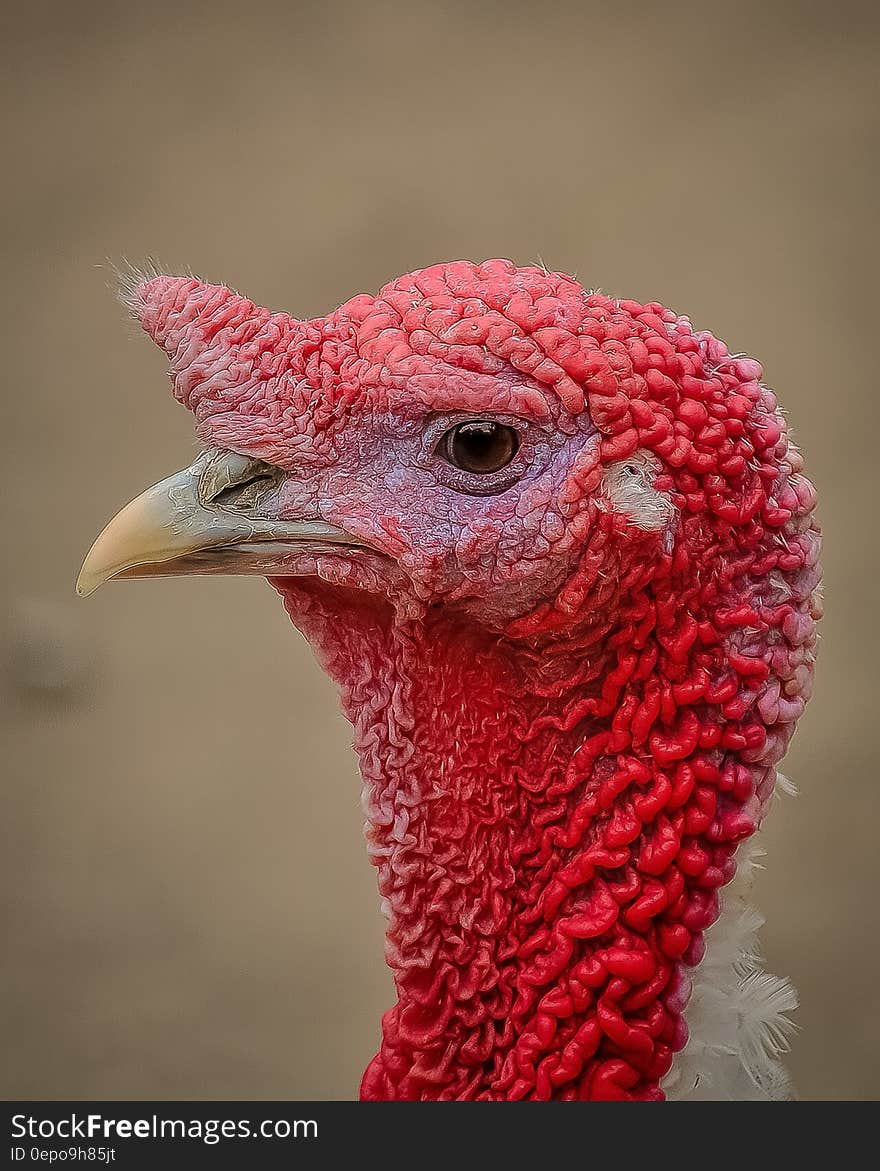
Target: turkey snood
[557,552]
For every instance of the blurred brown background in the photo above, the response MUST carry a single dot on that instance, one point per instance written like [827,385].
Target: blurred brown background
[179,788]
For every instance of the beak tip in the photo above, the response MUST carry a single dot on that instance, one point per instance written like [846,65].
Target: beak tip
[88,581]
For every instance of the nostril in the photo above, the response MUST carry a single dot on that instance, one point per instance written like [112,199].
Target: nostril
[230,480]
[244,494]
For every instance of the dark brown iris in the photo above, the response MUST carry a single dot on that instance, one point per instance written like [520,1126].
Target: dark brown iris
[480,446]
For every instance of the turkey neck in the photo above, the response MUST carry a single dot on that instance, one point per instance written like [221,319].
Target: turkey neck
[456,772]
[484,780]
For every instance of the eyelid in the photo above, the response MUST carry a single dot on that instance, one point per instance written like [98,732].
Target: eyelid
[439,424]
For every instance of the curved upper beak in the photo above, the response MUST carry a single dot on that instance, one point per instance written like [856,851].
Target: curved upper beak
[212,517]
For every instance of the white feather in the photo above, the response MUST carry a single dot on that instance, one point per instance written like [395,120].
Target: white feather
[737,1014]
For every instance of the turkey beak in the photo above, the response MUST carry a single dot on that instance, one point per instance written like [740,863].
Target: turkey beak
[212,517]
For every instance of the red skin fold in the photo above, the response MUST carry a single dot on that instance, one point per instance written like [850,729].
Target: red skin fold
[566,723]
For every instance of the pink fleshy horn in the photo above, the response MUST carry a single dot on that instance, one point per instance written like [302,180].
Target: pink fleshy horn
[198,325]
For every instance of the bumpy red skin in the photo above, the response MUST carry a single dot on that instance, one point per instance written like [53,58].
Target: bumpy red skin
[566,723]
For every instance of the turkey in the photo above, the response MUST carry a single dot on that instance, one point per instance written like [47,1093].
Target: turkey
[557,552]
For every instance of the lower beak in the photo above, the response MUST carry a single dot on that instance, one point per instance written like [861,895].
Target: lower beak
[210,518]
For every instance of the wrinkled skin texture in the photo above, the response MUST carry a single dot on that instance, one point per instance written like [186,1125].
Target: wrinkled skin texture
[568,699]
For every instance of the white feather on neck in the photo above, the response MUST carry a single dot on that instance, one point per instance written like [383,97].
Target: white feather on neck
[736,1015]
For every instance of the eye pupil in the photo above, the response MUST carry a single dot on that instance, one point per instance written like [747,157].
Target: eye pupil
[481,446]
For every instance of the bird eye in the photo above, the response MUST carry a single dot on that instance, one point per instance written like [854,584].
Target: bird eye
[480,446]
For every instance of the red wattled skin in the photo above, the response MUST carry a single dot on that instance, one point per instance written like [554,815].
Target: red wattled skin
[567,715]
